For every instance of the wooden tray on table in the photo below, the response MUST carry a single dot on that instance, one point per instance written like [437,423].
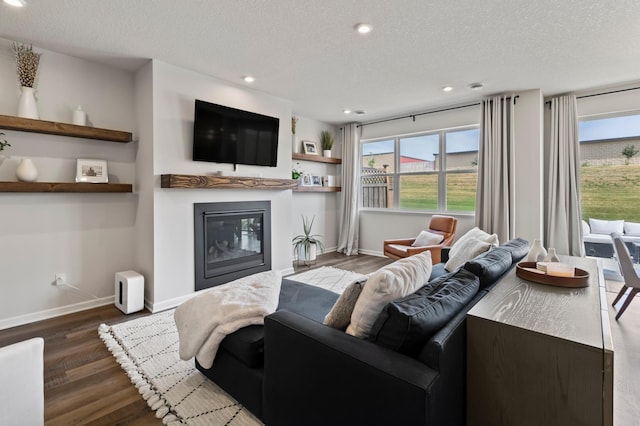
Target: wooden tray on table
[528,271]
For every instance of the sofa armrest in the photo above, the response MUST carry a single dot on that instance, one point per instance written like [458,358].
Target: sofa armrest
[317,375]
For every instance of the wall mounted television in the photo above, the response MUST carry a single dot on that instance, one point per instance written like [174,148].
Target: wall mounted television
[222,134]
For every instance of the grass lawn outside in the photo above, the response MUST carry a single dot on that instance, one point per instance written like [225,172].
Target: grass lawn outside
[611,192]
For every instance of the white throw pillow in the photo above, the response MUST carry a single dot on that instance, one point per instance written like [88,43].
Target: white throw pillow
[476,233]
[470,248]
[427,238]
[632,229]
[606,226]
[389,283]
[585,228]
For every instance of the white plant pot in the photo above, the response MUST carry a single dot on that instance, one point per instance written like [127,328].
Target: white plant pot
[307,256]
[327,153]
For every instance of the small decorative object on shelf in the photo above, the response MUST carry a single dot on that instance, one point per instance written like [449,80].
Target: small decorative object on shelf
[26,171]
[551,256]
[27,62]
[94,171]
[79,116]
[294,139]
[326,139]
[3,142]
[296,172]
[310,148]
[536,252]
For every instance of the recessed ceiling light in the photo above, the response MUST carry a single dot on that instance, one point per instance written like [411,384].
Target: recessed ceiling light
[248,79]
[16,3]
[447,88]
[363,28]
[346,111]
[476,86]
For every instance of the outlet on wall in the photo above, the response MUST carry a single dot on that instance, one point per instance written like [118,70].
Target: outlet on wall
[60,279]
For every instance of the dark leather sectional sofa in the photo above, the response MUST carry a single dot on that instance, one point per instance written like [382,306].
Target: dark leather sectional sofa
[294,370]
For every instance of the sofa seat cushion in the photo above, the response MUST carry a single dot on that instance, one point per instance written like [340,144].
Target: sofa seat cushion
[597,239]
[405,325]
[247,344]
[490,266]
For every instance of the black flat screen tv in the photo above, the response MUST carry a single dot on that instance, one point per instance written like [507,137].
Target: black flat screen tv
[223,134]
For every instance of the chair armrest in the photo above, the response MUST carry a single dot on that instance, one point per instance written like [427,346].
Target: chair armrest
[436,252]
[317,375]
[401,241]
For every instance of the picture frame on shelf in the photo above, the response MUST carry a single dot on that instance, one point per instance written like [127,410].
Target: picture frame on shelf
[310,148]
[92,171]
[305,180]
[316,180]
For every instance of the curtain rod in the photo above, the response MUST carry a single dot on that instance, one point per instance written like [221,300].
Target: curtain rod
[413,116]
[603,93]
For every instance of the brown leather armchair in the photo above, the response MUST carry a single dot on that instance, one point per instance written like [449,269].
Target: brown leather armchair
[443,225]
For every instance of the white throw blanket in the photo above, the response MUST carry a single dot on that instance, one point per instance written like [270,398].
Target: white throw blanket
[204,320]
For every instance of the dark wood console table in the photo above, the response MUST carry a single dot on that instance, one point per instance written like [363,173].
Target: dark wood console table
[541,355]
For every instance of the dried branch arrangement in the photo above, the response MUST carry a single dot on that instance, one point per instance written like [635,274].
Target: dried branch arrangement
[27,63]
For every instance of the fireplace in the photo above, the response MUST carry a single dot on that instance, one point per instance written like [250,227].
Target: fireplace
[232,240]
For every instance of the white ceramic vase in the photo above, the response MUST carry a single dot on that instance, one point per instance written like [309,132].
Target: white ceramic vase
[536,252]
[26,171]
[27,107]
[327,153]
[295,144]
[79,117]
[551,256]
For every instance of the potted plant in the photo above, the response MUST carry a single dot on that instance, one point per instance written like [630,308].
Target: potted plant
[326,139]
[3,145]
[306,245]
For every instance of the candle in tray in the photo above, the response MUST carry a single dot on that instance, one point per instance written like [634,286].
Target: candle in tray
[560,270]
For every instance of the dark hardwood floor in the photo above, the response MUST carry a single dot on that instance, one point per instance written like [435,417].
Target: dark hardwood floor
[85,385]
[83,382]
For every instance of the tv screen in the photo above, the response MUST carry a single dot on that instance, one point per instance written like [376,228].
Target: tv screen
[223,134]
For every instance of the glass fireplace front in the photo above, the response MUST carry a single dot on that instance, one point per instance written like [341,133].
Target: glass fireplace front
[232,240]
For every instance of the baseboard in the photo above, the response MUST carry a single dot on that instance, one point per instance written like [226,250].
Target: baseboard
[56,312]
[371,253]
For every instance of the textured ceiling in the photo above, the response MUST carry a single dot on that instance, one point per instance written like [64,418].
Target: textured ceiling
[308,52]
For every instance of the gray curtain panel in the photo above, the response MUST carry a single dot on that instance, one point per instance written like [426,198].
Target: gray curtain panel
[563,211]
[350,200]
[495,190]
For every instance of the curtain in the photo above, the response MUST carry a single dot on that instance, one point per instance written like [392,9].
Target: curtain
[495,199]
[563,212]
[350,200]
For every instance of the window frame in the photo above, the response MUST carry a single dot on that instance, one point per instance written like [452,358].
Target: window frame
[439,170]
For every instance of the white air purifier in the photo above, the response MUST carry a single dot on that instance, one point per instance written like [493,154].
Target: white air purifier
[129,291]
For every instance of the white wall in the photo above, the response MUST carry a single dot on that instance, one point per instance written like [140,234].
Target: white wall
[87,236]
[529,163]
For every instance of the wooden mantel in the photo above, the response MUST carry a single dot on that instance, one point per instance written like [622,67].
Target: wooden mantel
[221,182]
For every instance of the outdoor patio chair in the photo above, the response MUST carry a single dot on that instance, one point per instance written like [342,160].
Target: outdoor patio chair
[629,273]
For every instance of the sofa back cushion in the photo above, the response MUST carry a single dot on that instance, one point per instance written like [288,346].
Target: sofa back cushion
[606,226]
[518,247]
[632,229]
[405,325]
[490,266]
[387,284]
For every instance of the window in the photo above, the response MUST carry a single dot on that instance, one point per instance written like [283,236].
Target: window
[410,173]
[610,167]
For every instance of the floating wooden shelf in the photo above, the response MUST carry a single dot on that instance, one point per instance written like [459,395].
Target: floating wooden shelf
[317,189]
[221,182]
[63,129]
[316,158]
[64,187]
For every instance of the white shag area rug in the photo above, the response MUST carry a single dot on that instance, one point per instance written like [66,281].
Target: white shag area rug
[147,350]
[333,279]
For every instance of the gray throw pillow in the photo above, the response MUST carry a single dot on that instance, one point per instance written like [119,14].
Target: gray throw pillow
[340,315]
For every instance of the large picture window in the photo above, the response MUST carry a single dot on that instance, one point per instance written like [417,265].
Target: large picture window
[411,172]
[610,167]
